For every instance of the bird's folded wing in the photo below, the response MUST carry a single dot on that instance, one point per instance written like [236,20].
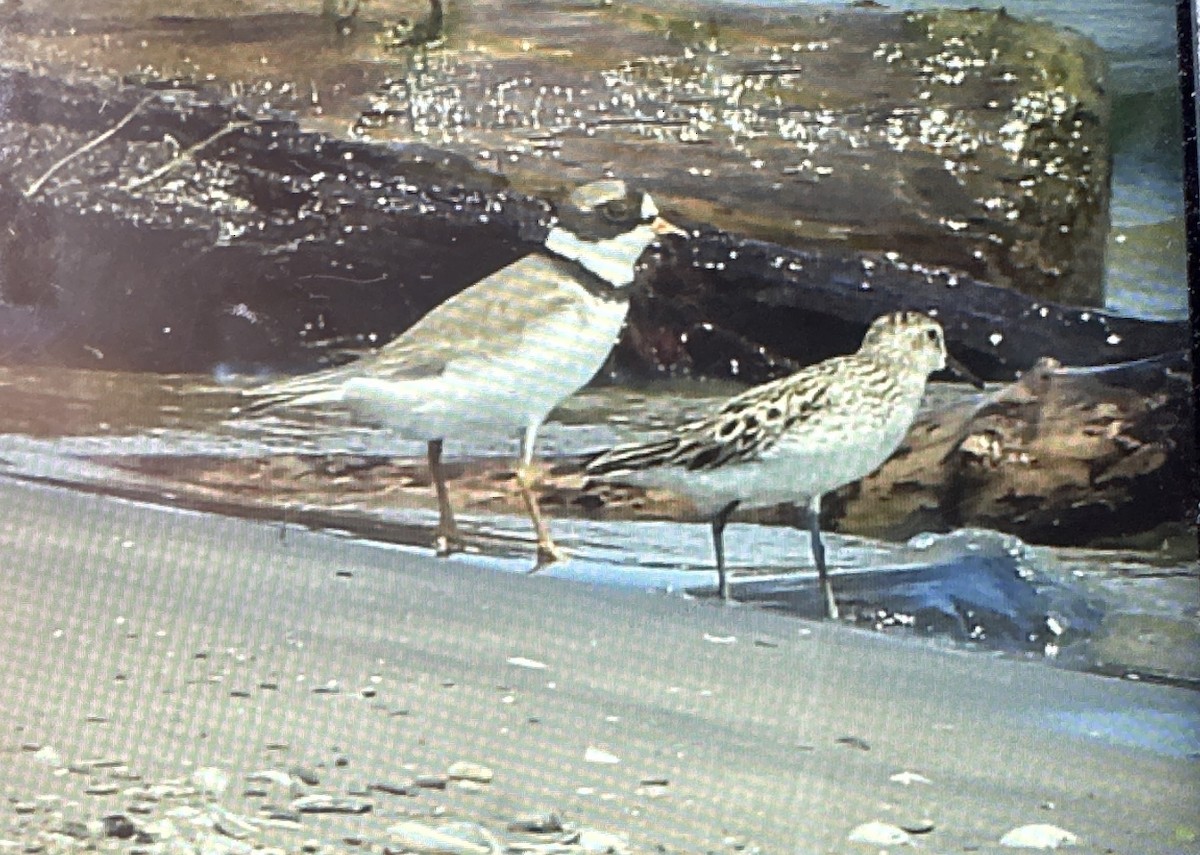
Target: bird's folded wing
[481,322]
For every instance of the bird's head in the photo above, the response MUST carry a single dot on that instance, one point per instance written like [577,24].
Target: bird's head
[606,226]
[915,340]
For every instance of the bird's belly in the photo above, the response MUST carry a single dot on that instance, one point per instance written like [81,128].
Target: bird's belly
[788,476]
[559,356]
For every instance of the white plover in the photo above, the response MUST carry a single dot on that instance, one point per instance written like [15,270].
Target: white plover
[794,439]
[495,359]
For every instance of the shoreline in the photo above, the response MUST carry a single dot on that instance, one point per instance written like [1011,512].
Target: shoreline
[176,641]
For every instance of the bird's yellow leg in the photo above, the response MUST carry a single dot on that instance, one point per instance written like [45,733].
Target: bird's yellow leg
[448,539]
[547,552]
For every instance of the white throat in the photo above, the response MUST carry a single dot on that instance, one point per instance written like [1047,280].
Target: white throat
[611,259]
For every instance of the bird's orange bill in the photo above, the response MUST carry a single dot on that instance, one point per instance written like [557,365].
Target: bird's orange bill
[663,227]
[962,372]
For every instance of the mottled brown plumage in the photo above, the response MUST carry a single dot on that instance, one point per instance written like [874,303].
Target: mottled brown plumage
[793,440]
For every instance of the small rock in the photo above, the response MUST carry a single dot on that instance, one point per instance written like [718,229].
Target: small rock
[101,789]
[24,807]
[216,844]
[878,834]
[390,788]
[467,771]
[854,742]
[420,838]
[330,804]
[1038,836]
[601,842]
[270,776]
[523,662]
[47,756]
[75,828]
[162,829]
[118,825]
[306,774]
[232,825]
[210,780]
[431,782]
[599,755]
[920,825]
[537,823]
[105,762]
[287,818]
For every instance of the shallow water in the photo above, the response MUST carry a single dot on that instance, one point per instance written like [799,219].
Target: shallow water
[974,589]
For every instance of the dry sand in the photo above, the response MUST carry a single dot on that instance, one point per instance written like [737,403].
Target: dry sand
[168,642]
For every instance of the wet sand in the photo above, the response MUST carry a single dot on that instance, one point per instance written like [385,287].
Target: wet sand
[165,642]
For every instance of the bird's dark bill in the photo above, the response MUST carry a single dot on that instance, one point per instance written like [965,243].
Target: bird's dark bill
[962,372]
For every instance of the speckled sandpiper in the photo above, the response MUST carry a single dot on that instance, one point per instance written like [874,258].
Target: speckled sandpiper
[495,359]
[794,439]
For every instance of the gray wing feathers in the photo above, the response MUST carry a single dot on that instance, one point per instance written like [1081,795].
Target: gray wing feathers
[504,305]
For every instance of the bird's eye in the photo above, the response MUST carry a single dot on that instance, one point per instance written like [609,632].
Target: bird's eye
[616,211]
[932,336]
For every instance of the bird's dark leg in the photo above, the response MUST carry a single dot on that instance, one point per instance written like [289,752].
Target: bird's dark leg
[818,553]
[448,538]
[547,552]
[718,536]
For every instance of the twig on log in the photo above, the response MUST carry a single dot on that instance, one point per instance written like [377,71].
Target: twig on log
[88,146]
[187,154]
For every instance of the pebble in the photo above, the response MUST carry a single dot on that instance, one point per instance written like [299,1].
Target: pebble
[101,789]
[854,742]
[270,776]
[391,789]
[118,825]
[1038,836]
[601,842]
[420,838]
[75,828]
[466,771]
[878,834]
[232,825]
[537,823]
[162,829]
[306,774]
[431,782]
[216,844]
[330,804]
[24,807]
[599,755]
[45,755]
[210,780]
[920,825]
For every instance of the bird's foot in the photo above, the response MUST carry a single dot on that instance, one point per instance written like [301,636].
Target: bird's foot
[547,554]
[448,543]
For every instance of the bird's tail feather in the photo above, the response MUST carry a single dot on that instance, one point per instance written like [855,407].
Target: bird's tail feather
[307,391]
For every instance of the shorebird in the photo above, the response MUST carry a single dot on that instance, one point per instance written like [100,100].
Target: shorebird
[794,439]
[496,358]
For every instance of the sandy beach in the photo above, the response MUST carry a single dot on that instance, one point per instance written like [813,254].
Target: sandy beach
[220,685]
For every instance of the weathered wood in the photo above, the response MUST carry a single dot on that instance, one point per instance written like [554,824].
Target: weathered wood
[201,235]
[1062,456]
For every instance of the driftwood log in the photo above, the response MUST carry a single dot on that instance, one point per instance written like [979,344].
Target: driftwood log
[970,139]
[172,230]
[1063,456]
